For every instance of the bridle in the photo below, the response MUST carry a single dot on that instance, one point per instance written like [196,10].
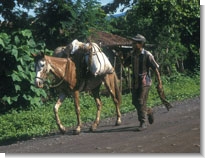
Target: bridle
[40,78]
[59,83]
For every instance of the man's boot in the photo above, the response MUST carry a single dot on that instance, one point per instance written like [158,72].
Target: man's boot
[150,115]
[142,127]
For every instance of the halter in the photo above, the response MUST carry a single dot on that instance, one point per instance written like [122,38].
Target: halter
[40,78]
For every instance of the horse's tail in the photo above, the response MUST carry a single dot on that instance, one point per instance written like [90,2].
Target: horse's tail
[117,89]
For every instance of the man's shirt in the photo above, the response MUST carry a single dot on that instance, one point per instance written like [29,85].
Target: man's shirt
[141,63]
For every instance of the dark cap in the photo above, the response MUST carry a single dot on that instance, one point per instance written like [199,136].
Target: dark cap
[139,37]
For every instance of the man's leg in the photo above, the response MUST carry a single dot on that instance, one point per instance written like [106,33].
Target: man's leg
[139,99]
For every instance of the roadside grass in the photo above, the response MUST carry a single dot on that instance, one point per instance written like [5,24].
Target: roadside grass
[40,121]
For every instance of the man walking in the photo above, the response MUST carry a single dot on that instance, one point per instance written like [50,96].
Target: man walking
[142,60]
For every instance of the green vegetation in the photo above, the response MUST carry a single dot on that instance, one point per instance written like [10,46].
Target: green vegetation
[39,121]
[17,70]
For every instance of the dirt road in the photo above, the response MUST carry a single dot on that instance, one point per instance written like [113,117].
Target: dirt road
[176,131]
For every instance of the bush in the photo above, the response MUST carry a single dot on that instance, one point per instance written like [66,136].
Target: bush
[17,70]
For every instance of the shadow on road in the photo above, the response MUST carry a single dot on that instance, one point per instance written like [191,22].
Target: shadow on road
[114,129]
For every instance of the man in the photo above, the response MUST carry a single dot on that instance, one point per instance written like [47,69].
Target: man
[142,60]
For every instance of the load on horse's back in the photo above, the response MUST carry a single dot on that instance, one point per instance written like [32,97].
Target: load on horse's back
[96,60]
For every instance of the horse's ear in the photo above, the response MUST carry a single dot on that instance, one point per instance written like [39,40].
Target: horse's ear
[33,55]
[42,54]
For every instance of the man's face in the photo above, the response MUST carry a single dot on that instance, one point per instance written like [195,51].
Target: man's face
[137,45]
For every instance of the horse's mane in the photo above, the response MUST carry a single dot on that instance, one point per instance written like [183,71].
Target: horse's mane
[79,60]
[56,59]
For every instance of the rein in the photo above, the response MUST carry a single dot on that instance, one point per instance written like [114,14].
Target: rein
[51,86]
[58,84]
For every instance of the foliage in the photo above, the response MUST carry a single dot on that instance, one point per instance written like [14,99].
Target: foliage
[41,121]
[17,70]
[171,26]
[170,52]
[15,12]
[59,22]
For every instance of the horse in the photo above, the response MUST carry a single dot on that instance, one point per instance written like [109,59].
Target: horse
[73,78]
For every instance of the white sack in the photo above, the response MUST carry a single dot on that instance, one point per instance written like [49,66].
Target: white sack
[100,64]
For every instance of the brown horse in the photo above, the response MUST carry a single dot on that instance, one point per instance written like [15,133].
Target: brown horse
[73,77]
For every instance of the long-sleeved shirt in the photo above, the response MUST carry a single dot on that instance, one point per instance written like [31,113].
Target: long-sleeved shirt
[141,63]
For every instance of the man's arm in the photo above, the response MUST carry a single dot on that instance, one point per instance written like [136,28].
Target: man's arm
[161,91]
[159,81]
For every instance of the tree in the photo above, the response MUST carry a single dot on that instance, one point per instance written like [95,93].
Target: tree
[112,7]
[169,25]
[16,12]
[56,22]
[60,21]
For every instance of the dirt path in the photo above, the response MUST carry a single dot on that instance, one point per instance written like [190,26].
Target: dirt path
[176,131]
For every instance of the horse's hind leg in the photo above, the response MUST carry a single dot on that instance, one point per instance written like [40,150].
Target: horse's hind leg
[56,107]
[96,96]
[110,81]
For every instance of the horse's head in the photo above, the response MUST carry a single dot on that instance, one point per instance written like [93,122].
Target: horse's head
[41,68]
[77,45]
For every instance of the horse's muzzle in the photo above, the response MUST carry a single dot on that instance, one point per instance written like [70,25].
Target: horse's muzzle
[39,82]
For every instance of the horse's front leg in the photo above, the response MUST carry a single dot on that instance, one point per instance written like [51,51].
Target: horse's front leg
[56,107]
[77,109]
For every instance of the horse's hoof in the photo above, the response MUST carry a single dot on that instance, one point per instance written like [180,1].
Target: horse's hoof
[76,132]
[63,130]
[118,123]
[93,128]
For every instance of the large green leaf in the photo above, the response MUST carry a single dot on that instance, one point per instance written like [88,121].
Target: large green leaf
[17,88]
[15,76]
[2,43]
[14,52]
[26,33]
[4,39]
[20,68]
[17,40]
[31,43]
